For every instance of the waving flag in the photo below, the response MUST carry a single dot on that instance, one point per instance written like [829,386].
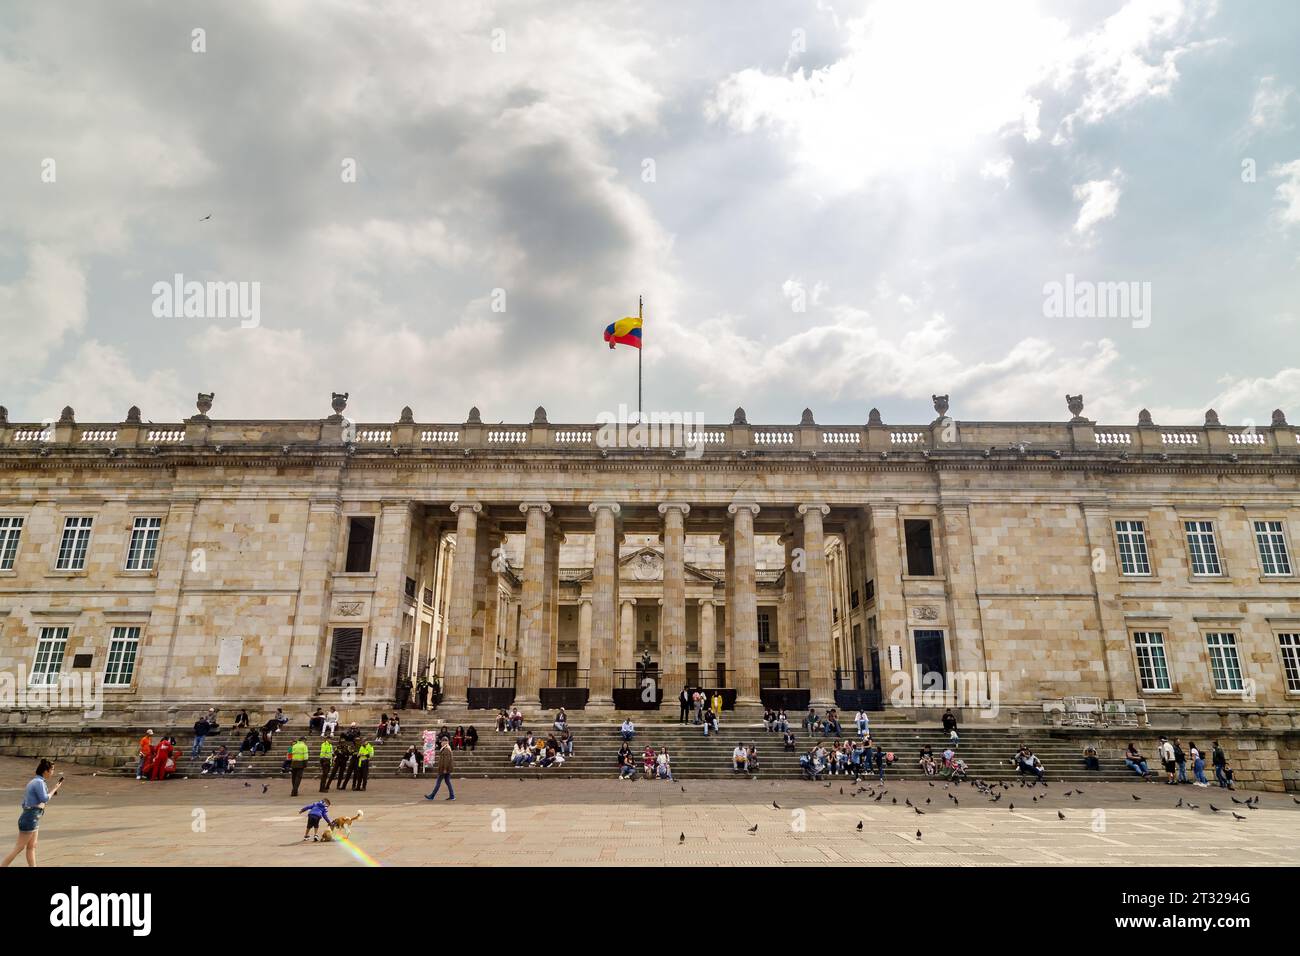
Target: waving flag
[624,332]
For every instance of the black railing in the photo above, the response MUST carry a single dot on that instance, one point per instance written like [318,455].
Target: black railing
[631,679]
[791,680]
[494,676]
[565,677]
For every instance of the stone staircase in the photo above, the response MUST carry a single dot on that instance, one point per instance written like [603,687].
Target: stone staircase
[987,750]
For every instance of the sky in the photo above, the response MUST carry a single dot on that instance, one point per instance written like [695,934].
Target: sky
[833,205]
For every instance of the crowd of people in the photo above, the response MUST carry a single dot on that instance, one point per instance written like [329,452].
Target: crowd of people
[1174,760]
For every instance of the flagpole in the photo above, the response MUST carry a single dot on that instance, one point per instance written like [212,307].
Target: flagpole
[641,317]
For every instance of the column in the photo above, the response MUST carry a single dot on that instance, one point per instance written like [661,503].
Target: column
[584,635]
[885,551]
[791,617]
[728,603]
[966,631]
[817,607]
[625,659]
[744,630]
[708,652]
[551,596]
[460,623]
[309,646]
[486,585]
[533,602]
[672,627]
[387,606]
[604,603]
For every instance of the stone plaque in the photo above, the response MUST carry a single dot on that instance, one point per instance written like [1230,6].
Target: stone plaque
[926,612]
[228,657]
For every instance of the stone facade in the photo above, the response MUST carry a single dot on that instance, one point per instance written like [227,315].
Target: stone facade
[266,563]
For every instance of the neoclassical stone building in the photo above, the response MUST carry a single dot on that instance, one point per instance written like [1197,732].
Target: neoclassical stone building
[265,563]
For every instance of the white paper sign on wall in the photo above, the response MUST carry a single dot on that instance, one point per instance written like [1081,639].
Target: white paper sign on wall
[895,657]
[232,650]
[381,655]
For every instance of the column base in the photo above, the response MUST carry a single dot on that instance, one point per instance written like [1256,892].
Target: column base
[600,703]
[450,702]
[523,701]
[821,703]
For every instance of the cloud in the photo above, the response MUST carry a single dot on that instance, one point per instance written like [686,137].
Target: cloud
[1099,201]
[998,169]
[1268,108]
[1288,192]
[42,309]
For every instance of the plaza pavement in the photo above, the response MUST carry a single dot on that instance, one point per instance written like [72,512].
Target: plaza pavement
[99,820]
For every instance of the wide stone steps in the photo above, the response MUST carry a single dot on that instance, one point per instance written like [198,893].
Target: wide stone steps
[987,751]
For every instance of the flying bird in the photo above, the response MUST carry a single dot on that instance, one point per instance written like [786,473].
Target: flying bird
[206,218]
[754,828]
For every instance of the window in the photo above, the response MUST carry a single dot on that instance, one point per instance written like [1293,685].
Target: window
[49,655]
[122,649]
[428,596]
[1225,666]
[1290,644]
[930,659]
[1201,546]
[1153,668]
[853,599]
[11,529]
[361,539]
[1132,539]
[920,550]
[410,588]
[144,544]
[72,549]
[764,631]
[345,655]
[1273,557]
[871,590]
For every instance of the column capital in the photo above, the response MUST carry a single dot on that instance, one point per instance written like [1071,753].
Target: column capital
[750,506]
[526,506]
[681,506]
[473,506]
[659,602]
[584,599]
[627,600]
[612,506]
[814,506]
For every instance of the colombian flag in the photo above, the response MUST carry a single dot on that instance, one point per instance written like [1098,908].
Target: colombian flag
[624,332]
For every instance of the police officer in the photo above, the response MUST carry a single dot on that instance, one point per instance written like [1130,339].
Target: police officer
[298,755]
[326,760]
[362,777]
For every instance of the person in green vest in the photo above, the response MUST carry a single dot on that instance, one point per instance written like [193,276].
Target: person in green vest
[326,761]
[298,755]
[362,776]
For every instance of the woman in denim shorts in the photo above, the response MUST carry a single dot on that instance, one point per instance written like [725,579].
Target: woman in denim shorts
[35,798]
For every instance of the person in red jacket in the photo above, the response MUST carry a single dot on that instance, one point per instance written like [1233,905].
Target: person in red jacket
[146,748]
[163,765]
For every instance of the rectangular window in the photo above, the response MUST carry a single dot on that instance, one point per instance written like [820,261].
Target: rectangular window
[1273,556]
[764,631]
[49,655]
[930,659]
[11,529]
[1290,644]
[144,544]
[428,596]
[410,588]
[1153,668]
[122,648]
[920,549]
[72,549]
[1201,546]
[1132,539]
[1225,666]
[345,656]
[361,539]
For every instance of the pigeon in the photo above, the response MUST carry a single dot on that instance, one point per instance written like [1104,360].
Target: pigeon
[918,834]
[879,798]
[1295,799]
[894,800]
[1235,800]
[1215,809]
[859,824]
[919,811]
[683,789]
[1068,792]
[1179,803]
[1237,816]
[754,828]
[1251,806]
[1135,796]
[927,799]
[775,805]
[907,801]
[1077,790]
[931,783]
[206,218]
[247,784]
[1011,806]
[841,791]
[956,802]
[1034,800]
[266,787]
[1193,806]
[1060,815]
[681,838]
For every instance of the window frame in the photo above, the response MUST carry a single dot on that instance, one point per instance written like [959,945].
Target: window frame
[1289,641]
[114,638]
[130,543]
[1210,533]
[936,569]
[1138,646]
[1120,540]
[46,672]
[89,528]
[1210,647]
[11,533]
[1285,547]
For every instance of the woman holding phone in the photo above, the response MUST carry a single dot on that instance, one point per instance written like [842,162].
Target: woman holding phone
[35,798]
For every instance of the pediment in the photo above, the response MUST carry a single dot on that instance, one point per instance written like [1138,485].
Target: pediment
[647,564]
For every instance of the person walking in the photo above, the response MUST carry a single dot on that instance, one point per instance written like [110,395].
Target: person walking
[1180,760]
[717,708]
[364,753]
[35,799]
[146,748]
[298,755]
[1167,760]
[326,760]
[201,729]
[446,763]
[1220,761]
[1198,765]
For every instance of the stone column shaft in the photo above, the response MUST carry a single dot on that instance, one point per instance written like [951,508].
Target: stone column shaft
[817,607]
[533,602]
[584,635]
[672,627]
[708,651]
[626,657]
[455,668]
[604,603]
[744,632]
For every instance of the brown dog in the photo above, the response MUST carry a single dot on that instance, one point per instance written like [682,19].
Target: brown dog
[341,827]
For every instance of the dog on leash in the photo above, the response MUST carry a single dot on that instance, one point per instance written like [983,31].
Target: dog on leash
[341,827]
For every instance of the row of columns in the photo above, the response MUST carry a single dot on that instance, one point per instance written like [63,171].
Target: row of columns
[473,609]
